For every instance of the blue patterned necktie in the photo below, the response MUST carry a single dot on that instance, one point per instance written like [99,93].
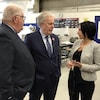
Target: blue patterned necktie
[48,46]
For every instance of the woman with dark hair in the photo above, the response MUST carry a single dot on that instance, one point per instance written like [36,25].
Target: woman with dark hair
[84,62]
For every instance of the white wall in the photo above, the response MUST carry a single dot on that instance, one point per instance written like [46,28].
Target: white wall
[72,32]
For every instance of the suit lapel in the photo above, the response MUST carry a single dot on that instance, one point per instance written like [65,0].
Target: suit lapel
[53,43]
[40,40]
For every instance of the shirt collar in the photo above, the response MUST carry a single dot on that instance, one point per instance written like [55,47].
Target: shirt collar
[43,35]
[11,28]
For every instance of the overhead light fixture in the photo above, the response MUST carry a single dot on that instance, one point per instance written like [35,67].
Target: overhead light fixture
[2,6]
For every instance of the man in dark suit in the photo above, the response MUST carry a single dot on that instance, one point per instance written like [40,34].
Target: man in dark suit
[46,56]
[16,63]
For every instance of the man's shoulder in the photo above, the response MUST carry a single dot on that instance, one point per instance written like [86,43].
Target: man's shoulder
[4,32]
[31,34]
[54,35]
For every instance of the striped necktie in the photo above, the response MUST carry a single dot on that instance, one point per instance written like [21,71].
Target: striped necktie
[48,46]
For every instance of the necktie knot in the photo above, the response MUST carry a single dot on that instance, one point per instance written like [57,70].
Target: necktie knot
[47,38]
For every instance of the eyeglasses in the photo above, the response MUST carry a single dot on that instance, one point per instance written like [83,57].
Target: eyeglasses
[22,17]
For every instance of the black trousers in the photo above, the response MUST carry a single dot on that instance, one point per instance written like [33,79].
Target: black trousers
[46,87]
[84,88]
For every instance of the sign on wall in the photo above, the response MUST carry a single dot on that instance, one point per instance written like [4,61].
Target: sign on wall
[69,22]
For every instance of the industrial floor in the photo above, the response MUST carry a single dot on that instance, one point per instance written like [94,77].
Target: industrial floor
[62,92]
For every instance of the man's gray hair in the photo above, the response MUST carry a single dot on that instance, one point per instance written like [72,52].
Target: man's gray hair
[42,17]
[10,11]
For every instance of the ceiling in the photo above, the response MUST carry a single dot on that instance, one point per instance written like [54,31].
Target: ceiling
[70,5]
[13,0]
[22,3]
[56,4]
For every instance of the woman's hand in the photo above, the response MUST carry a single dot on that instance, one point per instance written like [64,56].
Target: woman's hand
[73,63]
[70,64]
[78,64]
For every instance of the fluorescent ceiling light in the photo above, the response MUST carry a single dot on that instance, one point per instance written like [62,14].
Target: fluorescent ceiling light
[2,6]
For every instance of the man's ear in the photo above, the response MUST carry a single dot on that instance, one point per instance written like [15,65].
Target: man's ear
[15,19]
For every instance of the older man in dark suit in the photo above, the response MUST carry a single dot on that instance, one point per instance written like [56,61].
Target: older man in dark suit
[44,47]
[16,63]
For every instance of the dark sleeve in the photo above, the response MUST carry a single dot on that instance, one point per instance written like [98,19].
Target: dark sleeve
[59,56]
[27,42]
[6,62]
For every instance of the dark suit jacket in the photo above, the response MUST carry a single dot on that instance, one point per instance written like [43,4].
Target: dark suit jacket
[16,65]
[45,65]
